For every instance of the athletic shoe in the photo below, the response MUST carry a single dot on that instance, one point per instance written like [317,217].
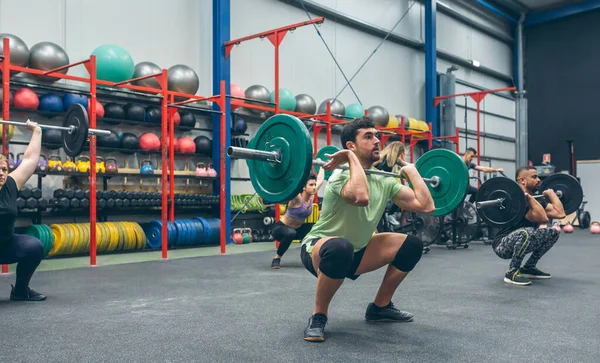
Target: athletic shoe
[315,331]
[516,278]
[387,313]
[534,273]
[276,262]
[27,295]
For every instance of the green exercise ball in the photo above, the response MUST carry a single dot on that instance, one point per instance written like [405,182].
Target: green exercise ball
[113,63]
[355,110]
[287,101]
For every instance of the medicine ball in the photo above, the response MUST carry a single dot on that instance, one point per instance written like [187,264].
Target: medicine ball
[26,98]
[186,145]
[52,139]
[135,112]
[70,99]
[149,142]
[114,111]
[51,102]
[188,120]
[240,126]
[111,140]
[177,119]
[99,108]
[129,141]
[153,115]
[203,145]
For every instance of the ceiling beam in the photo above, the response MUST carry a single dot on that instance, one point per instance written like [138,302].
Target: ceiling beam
[541,17]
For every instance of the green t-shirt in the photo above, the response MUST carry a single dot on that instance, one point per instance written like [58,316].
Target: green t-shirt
[354,223]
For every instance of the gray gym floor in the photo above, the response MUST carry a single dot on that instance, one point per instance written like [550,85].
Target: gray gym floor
[234,308]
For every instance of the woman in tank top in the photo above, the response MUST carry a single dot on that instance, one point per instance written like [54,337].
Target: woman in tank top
[298,209]
[393,154]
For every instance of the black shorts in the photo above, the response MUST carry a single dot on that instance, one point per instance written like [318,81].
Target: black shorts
[307,260]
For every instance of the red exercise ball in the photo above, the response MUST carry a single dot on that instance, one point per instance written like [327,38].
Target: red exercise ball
[236,91]
[149,142]
[176,118]
[186,145]
[169,145]
[26,98]
[99,108]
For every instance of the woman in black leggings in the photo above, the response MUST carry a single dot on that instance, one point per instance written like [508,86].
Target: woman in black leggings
[26,251]
[298,209]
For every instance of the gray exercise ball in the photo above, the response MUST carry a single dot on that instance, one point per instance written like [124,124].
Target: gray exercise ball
[306,104]
[379,115]
[337,107]
[259,93]
[145,69]
[183,79]
[46,56]
[19,52]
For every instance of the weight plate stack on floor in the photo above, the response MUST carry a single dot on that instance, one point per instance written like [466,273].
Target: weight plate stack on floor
[153,233]
[211,228]
[44,234]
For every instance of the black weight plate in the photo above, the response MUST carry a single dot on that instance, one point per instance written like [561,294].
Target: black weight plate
[514,205]
[572,193]
[74,142]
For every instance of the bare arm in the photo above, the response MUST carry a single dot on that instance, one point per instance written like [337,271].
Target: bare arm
[320,178]
[417,199]
[536,213]
[555,208]
[486,169]
[356,189]
[30,158]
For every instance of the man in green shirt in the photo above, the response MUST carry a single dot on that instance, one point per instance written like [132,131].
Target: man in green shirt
[342,243]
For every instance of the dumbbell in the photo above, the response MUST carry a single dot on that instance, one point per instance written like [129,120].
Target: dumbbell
[31,203]
[111,194]
[58,193]
[126,203]
[20,203]
[69,193]
[118,202]
[85,203]
[110,203]
[75,203]
[30,192]
[59,203]
[101,204]
[78,193]
[42,203]
[134,202]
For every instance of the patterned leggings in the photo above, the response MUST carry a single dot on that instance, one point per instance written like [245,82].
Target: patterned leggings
[523,241]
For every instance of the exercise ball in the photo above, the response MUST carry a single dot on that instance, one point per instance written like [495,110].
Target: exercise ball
[203,145]
[113,111]
[235,91]
[129,141]
[188,120]
[259,93]
[99,108]
[11,132]
[379,115]
[176,119]
[145,69]
[149,142]
[153,115]
[111,140]
[355,110]
[287,101]
[186,145]
[10,97]
[134,112]
[183,79]
[26,98]
[113,63]
[392,122]
[46,56]
[337,107]
[19,52]
[240,126]
[69,99]
[51,102]
[305,104]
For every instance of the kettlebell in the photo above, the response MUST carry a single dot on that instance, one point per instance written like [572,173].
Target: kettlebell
[19,159]
[556,227]
[100,165]
[595,227]
[69,166]
[211,171]
[111,165]
[201,170]
[237,236]
[146,167]
[83,164]
[249,233]
[55,163]
[568,228]
[42,166]
[11,162]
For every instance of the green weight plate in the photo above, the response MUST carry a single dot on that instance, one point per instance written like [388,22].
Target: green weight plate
[49,239]
[329,149]
[513,207]
[280,182]
[74,142]
[454,179]
[572,192]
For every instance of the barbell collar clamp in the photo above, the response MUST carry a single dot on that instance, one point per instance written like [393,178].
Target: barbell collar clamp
[246,153]
[490,203]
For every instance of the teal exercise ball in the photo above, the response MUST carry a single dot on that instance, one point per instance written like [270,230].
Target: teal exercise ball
[113,63]
[287,101]
[355,110]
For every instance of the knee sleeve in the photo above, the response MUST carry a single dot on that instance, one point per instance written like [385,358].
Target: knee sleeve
[336,258]
[408,254]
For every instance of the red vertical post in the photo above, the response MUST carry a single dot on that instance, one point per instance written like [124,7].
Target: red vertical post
[316,130]
[277,217]
[92,71]
[328,118]
[172,164]
[165,99]
[222,179]
[457,141]
[430,135]
[5,104]
[276,46]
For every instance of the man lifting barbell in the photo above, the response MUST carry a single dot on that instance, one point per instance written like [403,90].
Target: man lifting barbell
[468,157]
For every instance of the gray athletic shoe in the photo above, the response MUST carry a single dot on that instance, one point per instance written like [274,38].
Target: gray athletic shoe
[516,278]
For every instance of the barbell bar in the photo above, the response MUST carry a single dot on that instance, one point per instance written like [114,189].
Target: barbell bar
[280,159]
[501,202]
[76,127]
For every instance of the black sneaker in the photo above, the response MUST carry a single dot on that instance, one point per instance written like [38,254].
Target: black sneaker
[276,262]
[28,295]
[387,313]
[534,273]
[315,331]
[516,278]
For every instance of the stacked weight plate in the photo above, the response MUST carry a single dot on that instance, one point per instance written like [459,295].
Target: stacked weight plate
[211,230]
[154,234]
[44,234]
[184,232]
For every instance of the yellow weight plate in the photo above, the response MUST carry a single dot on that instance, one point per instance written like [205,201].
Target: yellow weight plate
[114,237]
[58,240]
[101,238]
[141,242]
[64,246]
[86,237]
[133,237]
[82,241]
[76,238]
[123,238]
[126,235]
[120,237]
[68,239]
[106,239]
